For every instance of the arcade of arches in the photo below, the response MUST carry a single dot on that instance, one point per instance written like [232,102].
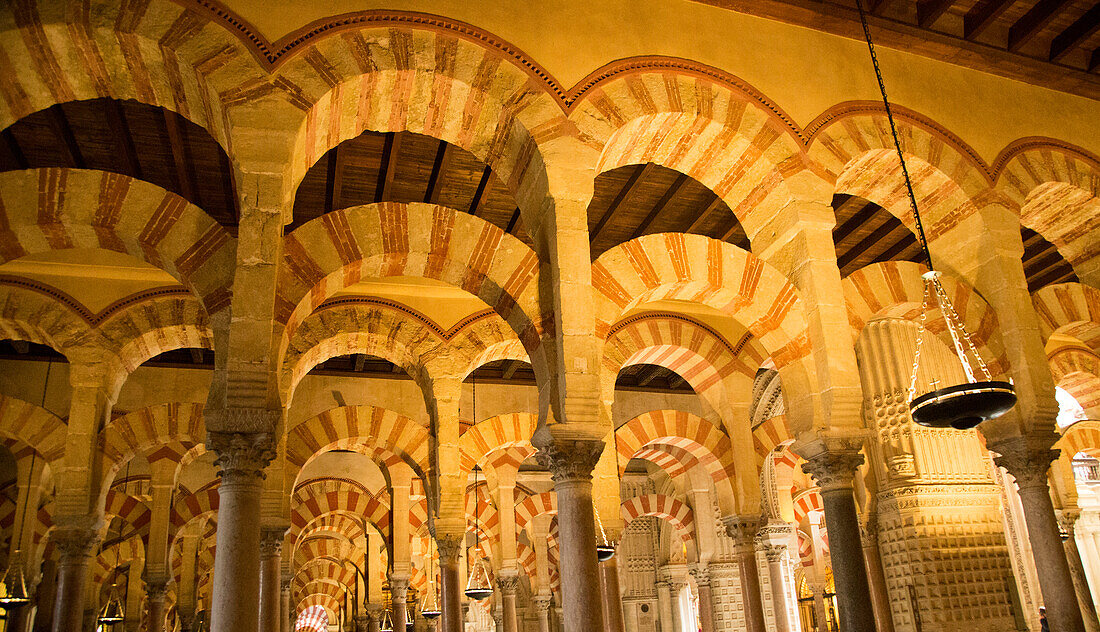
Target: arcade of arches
[306,311]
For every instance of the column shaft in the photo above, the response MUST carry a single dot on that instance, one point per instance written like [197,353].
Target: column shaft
[399,589]
[778,582]
[76,547]
[508,585]
[284,604]
[612,599]
[449,551]
[706,606]
[743,530]
[236,590]
[876,580]
[271,544]
[155,594]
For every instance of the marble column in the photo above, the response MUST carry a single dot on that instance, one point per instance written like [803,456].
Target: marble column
[876,578]
[834,471]
[155,592]
[819,606]
[706,598]
[45,596]
[75,546]
[271,546]
[284,602]
[612,598]
[508,584]
[743,530]
[571,464]
[241,460]
[665,606]
[450,550]
[1067,520]
[1027,460]
[374,616]
[776,556]
[542,607]
[399,592]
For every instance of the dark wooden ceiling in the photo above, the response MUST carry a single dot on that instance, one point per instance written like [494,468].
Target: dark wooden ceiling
[405,167]
[131,138]
[1043,264]
[637,200]
[866,233]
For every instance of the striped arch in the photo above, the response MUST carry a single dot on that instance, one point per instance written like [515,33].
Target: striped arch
[326,594]
[28,313]
[363,429]
[336,250]
[57,209]
[700,121]
[1072,309]
[703,439]
[343,523]
[164,431]
[448,85]
[23,422]
[157,53]
[329,549]
[675,461]
[806,501]
[525,556]
[496,433]
[895,288]
[149,328]
[1082,436]
[674,511]
[105,564]
[1029,163]
[132,511]
[201,503]
[769,435]
[1077,370]
[776,481]
[487,517]
[316,499]
[716,274]
[536,505]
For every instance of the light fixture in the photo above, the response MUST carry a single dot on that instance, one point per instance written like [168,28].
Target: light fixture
[387,621]
[431,610]
[960,406]
[604,549]
[477,586]
[113,611]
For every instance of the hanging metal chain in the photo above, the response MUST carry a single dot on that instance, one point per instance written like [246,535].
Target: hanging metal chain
[920,341]
[959,334]
[894,134]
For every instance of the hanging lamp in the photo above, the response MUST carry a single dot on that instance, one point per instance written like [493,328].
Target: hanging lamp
[960,406]
[113,611]
[431,610]
[477,586]
[387,621]
[13,586]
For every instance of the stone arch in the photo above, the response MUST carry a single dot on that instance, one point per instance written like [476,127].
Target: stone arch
[1072,309]
[769,435]
[1031,162]
[895,288]
[57,209]
[318,498]
[53,56]
[716,274]
[345,523]
[201,503]
[151,327]
[675,461]
[31,312]
[130,510]
[703,439]
[22,422]
[164,431]
[535,505]
[1077,371]
[472,96]
[502,431]
[1082,436]
[675,512]
[420,240]
[377,432]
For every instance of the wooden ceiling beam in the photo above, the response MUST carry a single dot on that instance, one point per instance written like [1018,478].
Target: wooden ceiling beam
[857,250]
[360,362]
[439,167]
[1044,277]
[734,231]
[715,204]
[651,373]
[11,143]
[60,124]
[624,195]
[196,355]
[1094,60]
[673,189]
[22,347]
[928,11]
[339,160]
[512,222]
[124,140]
[330,179]
[1033,21]
[981,15]
[482,185]
[857,219]
[1075,34]
[509,368]
[907,241]
[185,176]
[386,174]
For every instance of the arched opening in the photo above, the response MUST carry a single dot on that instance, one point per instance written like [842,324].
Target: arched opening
[312,619]
[866,233]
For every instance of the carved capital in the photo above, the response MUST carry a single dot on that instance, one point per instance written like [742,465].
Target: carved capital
[399,585]
[833,470]
[450,548]
[743,529]
[242,457]
[1067,519]
[701,575]
[570,461]
[362,623]
[1026,459]
[156,588]
[75,544]
[775,552]
[271,542]
[542,604]
[508,584]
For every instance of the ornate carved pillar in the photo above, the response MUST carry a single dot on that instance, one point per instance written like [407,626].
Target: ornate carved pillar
[241,460]
[571,464]
[743,530]
[508,584]
[1027,459]
[75,546]
[834,471]
[1067,519]
[612,598]
[706,599]
[776,555]
[155,592]
[399,589]
[542,607]
[450,549]
[271,546]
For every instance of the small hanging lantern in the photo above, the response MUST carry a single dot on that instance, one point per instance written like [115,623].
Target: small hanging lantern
[430,609]
[961,406]
[387,622]
[478,586]
[604,549]
[13,588]
[112,611]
